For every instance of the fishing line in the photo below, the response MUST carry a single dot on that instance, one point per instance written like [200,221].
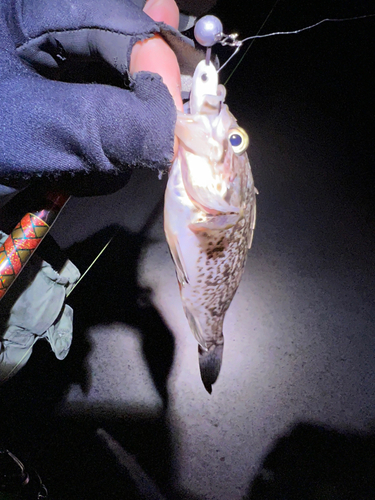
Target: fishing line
[238,43]
[141,233]
[92,263]
[250,45]
[7,377]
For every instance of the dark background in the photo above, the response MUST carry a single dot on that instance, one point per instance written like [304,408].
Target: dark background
[320,81]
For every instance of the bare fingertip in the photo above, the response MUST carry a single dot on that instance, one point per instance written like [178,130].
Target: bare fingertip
[165,11]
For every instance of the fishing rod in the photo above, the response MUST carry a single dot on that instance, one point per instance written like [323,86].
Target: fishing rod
[26,237]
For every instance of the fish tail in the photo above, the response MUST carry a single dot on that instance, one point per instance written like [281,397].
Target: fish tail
[210,364]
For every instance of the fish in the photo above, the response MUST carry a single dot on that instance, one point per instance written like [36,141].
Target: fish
[209,214]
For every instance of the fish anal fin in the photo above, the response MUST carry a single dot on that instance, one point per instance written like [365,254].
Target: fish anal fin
[195,327]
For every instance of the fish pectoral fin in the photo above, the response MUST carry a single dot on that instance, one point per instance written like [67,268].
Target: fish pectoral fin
[215,222]
[178,260]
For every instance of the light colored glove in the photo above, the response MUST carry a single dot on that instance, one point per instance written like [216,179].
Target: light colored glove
[35,308]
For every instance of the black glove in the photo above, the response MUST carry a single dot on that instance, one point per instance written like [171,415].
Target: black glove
[50,124]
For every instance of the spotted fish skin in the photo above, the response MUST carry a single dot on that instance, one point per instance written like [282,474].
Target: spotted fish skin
[209,215]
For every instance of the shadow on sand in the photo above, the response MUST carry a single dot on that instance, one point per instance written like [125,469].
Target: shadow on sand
[66,451]
[314,462]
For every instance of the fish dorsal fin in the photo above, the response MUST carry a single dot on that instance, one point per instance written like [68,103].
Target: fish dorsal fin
[253,217]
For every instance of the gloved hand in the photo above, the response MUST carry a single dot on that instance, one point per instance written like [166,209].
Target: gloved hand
[52,125]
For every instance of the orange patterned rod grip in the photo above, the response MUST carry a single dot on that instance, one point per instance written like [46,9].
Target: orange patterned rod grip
[26,237]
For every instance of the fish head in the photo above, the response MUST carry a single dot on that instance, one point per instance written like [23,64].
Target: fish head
[212,152]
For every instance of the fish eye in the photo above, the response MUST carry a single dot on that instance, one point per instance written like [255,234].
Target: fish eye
[238,139]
